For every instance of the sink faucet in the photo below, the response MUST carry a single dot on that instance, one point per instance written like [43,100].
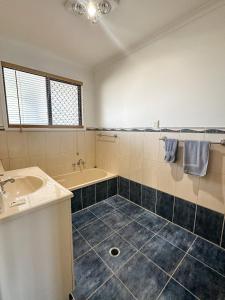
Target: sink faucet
[3,182]
[81,163]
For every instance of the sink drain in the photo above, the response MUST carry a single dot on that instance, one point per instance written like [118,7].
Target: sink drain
[114,252]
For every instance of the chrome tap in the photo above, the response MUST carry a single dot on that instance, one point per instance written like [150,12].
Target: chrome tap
[81,163]
[4,182]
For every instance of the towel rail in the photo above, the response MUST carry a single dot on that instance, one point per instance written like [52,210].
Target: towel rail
[107,135]
[222,142]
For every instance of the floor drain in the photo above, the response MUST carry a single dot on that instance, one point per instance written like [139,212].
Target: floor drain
[114,252]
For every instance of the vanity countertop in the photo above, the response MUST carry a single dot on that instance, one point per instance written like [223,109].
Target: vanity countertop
[32,189]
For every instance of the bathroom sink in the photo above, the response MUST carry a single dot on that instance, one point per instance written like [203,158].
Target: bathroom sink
[23,186]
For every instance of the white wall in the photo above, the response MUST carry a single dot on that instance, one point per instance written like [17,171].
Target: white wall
[25,55]
[179,80]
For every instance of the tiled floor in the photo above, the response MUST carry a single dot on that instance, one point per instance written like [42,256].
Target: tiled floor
[157,260]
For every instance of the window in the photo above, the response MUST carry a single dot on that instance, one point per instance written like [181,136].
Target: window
[38,99]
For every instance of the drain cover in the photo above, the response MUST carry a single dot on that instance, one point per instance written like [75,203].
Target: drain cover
[114,251]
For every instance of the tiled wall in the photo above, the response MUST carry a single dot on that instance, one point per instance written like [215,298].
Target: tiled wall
[139,156]
[94,193]
[195,218]
[52,151]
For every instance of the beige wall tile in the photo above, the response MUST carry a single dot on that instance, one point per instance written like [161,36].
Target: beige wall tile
[18,163]
[17,144]
[166,176]
[66,143]
[186,186]
[90,149]
[124,167]
[3,145]
[151,145]
[212,192]
[5,163]
[216,154]
[149,173]
[61,164]
[36,143]
[52,144]
[38,161]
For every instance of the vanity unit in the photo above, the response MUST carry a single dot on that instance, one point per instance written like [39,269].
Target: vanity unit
[36,255]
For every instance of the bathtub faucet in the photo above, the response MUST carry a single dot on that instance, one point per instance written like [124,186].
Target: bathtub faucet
[81,163]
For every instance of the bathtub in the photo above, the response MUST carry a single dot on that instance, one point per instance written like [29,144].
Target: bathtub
[80,179]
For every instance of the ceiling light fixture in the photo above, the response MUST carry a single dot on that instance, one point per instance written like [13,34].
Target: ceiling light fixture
[92,9]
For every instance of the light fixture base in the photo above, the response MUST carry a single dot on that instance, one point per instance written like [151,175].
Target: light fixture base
[93,9]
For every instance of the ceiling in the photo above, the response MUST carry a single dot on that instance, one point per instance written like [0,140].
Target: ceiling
[47,25]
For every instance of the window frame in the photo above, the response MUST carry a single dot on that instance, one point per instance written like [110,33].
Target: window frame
[48,77]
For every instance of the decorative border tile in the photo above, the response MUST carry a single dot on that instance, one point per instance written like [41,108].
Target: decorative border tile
[150,129]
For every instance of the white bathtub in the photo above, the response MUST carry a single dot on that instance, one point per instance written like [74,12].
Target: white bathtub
[80,179]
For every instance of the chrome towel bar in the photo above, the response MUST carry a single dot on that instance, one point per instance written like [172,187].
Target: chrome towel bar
[222,142]
[107,135]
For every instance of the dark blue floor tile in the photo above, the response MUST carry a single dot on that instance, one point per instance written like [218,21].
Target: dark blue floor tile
[135,192]
[88,196]
[209,224]
[82,218]
[117,201]
[96,232]
[136,234]
[174,291]
[184,213]
[76,201]
[209,254]
[91,273]
[164,205]
[151,221]
[115,262]
[101,209]
[116,220]
[101,191]
[80,246]
[142,277]
[177,236]
[113,289]
[132,210]
[148,198]
[112,187]
[124,187]
[165,255]
[200,280]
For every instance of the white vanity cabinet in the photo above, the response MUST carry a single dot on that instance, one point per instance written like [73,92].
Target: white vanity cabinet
[36,256]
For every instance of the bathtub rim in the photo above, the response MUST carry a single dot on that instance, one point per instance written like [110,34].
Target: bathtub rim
[74,188]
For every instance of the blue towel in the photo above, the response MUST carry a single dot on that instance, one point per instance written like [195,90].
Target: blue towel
[171,146]
[196,157]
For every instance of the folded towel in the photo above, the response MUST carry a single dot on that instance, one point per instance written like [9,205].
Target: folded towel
[196,157]
[171,146]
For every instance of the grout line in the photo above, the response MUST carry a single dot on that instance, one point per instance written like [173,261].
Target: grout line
[81,195]
[196,236]
[174,202]
[139,251]
[151,212]
[221,238]
[100,287]
[196,208]
[168,222]
[108,267]
[156,200]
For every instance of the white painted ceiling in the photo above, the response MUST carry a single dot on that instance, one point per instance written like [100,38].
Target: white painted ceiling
[47,25]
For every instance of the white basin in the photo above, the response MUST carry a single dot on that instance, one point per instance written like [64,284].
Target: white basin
[23,186]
